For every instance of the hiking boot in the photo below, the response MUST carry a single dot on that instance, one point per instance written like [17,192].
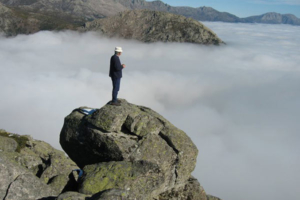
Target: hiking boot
[118,101]
[115,104]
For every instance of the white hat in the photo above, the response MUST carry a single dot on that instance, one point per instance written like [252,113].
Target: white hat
[118,49]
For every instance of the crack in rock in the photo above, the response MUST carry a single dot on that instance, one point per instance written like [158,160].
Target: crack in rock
[7,191]
[167,140]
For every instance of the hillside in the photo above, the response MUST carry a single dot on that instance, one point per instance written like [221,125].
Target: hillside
[94,9]
[154,26]
[15,20]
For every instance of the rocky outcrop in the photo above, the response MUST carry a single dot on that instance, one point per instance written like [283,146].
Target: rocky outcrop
[125,152]
[130,152]
[154,26]
[32,169]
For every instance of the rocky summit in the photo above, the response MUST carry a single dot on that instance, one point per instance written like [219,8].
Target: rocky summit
[154,26]
[126,152]
[130,152]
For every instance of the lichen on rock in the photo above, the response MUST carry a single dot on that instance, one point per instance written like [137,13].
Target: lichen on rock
[141,179]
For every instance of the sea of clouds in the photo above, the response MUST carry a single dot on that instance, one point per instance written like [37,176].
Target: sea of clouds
[240,102]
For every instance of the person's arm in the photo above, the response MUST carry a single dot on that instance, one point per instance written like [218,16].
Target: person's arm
[117,64]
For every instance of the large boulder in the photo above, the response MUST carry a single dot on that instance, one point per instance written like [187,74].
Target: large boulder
[127,135]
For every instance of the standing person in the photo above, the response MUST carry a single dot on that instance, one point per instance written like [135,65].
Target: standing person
[115,73]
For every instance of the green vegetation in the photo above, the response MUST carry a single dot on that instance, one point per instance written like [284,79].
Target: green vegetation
[31,21]
[21,140]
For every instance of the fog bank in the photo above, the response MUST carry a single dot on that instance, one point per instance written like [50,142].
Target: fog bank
[238,102]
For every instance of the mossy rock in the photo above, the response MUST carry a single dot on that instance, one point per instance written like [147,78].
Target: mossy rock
[73,196]
[140,179]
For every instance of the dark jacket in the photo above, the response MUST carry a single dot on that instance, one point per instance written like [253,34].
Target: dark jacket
[115,70]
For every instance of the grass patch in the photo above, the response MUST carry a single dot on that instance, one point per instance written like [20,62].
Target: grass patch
[21,140]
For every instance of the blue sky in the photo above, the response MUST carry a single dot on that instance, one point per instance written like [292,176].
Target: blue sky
[244,8]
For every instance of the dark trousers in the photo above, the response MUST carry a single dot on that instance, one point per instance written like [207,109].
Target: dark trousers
[116,87]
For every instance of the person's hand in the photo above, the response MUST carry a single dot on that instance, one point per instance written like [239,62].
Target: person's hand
[123,65]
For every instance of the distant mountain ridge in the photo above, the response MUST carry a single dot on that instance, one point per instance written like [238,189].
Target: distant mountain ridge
[30,16]
[273,18]
[94,9]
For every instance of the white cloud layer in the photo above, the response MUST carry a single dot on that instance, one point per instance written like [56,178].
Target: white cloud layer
[239,103]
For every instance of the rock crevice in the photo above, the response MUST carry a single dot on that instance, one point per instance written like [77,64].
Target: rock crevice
[4,198]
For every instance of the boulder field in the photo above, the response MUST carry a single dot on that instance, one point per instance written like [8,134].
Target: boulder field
[126,152]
